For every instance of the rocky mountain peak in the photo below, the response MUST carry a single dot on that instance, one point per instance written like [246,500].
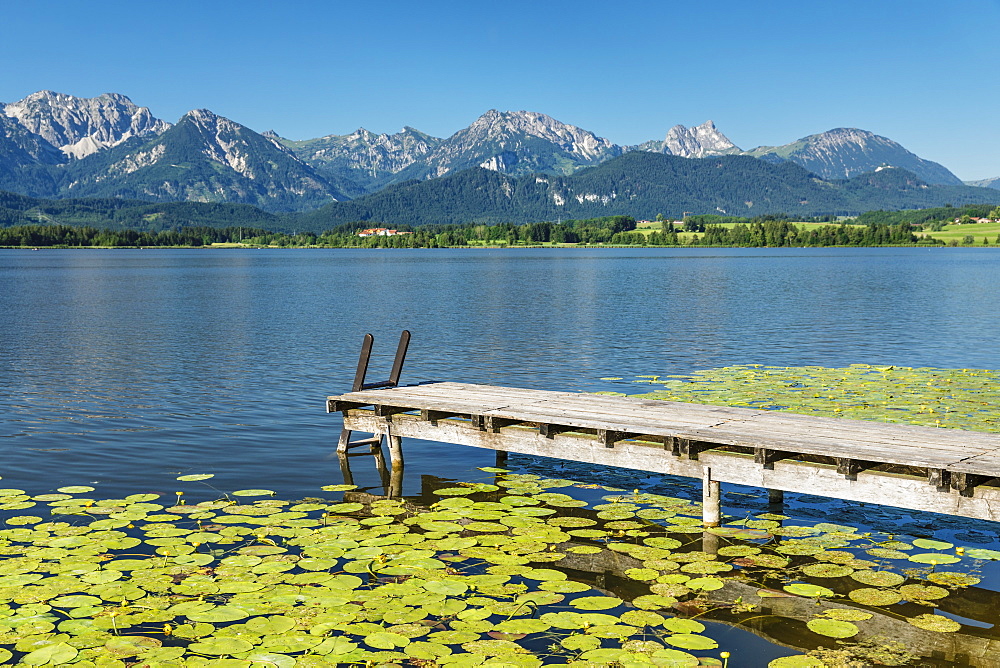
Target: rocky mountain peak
[79,126]
[698,141]
[843,153]
[507,130]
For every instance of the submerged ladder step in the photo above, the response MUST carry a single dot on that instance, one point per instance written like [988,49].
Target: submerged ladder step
[375,440]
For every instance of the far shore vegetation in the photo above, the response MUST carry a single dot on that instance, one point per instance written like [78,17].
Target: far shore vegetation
[944,226]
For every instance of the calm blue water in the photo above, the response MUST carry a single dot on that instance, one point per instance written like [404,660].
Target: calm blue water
[127,367]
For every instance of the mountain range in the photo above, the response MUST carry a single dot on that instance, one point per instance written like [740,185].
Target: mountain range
[54,145]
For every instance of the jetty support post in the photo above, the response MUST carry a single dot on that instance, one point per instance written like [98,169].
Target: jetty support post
[775,497]
[710,499]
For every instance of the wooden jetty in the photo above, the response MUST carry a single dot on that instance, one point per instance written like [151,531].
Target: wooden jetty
[928,469]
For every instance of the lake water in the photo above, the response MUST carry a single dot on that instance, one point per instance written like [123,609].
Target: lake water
[127,368]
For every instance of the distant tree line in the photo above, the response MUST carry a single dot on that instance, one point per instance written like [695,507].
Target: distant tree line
[70,236]
[765,231]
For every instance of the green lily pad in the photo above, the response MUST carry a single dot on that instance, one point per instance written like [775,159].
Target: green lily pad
[682,625]
[848,614]
[796,661]
[74,489]
[674,658]
[878,578]
[927,544]
[220,646]
[916,592]
[125,646]
[823,570]
[938,623]
[581,642]
[953,579]
[833,628]
[51,655]
[385,640]
[705,584]
[222,613]
[253,492]
[875,597]
[691,641]
[810,590]
[596,602]
[193,477]
[977,553]
[934,558]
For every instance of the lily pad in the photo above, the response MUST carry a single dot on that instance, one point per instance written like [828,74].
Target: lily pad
[878,578]
[51,655]
[927,544]
[810,590]
[596,602]
[875,597]
[833,628]
[848,614]
[934,558]
[691,641]
[193,477]
[796,661]
[938,623]
[220,646]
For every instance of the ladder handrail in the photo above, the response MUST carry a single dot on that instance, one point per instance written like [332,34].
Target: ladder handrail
[397,364]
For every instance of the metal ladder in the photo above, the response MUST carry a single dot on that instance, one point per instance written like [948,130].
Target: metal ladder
[374,442]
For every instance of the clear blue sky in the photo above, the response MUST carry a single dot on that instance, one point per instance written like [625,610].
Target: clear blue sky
[924,73]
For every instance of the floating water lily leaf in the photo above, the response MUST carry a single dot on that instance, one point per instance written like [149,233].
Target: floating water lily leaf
[220,646]
[253,492]
[875,597]
[605,656]
[674,658]
[125,646]
[269,626]
[953,579]
[338,488]
[290,642]
[51,655]
[827,570]
[833,628]
[564,620]
[596,602]
[385,640]
[796,661]
[642,574]
[71,489]
[681,625]
[848,614]
[977,553]
[426,650]
[581,642]
[193,477]
[691,641]
[705,583]
[878,578]
[523,625]
[927,544]
[916,592]
[937,623]
[564,586]
[278,660]
[806,589]
[934,558]
[642,618]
